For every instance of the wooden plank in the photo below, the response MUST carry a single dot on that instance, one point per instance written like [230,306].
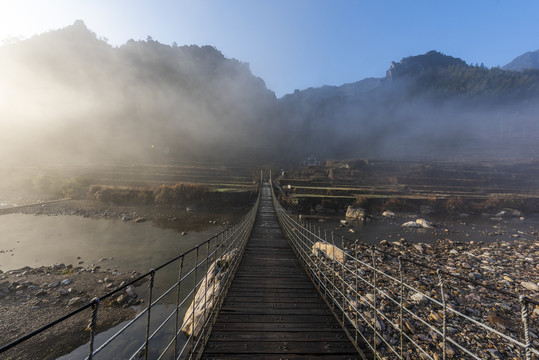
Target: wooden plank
[282,347]
[280,336]
[275,326]
[259,356]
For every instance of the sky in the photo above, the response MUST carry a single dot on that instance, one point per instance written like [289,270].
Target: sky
[297,44]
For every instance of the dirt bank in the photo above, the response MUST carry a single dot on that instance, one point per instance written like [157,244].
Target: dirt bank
[32,297]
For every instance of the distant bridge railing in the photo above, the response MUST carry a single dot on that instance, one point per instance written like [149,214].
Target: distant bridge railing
[197,290]
[400,308]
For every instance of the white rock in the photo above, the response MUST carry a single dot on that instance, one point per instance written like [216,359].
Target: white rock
[131,292]
[411,224]
[424,223]
[530,285]
[74,301]
[418,297]
[388,213]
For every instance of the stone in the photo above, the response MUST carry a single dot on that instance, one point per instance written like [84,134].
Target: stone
[355,213]
[140,219]
[530,285]
[66,282]
[41,293]
[74,301]
[388,213]
[411,224]
[54,284]
[131,292]
[424,223]
[330,251]
[63,292]
[418,297]
[121,299]
[435,317]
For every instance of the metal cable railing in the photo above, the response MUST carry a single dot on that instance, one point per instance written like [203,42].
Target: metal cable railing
[204,274]
[400,308]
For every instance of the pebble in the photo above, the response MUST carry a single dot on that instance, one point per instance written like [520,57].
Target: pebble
[54,284]
[530,286]
[74,301]
[66,282]
[131,292]
[418,297]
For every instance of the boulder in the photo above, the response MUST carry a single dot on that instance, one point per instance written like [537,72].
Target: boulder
[206,295]
[355,213]
[74,301]
[530,285]
[411,224]
[131,292]
[424,223]
[330,251]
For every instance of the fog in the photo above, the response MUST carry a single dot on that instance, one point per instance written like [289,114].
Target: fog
[68,97]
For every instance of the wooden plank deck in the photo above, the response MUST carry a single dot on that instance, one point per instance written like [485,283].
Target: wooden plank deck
[272,310]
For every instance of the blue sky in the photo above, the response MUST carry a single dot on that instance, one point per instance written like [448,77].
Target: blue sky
[296,44]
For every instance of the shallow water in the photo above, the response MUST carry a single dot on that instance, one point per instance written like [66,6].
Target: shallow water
[473,228]
[29,240]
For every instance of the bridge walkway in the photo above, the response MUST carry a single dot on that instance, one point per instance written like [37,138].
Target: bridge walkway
[273,310]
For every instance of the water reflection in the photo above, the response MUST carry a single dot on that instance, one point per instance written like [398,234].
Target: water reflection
[29,240]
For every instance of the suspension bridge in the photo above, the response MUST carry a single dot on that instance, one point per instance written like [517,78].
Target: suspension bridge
[273,287]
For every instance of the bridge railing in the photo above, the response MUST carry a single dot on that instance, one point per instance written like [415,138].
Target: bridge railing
[401,308]
[182,300]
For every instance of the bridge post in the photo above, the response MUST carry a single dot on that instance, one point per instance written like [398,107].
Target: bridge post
[176,330]
[401,305]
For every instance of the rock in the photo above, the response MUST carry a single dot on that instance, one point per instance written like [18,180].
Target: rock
[530,285]
[184,233]
[329,251]
[495,354]
[54,284]
[355,213]
[344,222]
[131,292]
[419,248]
[435,317]
[121,299]
[495,319]
[41,293]
[424,223]
[66,282]
[74,301]
[388,213]
[369,298]
[418,297]
[411,224]
[140,219]
[475,275]
[63,292]
[206,295]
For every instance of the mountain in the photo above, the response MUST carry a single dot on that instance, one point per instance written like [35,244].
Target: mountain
[529,60]
[430,106]
[69,96]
